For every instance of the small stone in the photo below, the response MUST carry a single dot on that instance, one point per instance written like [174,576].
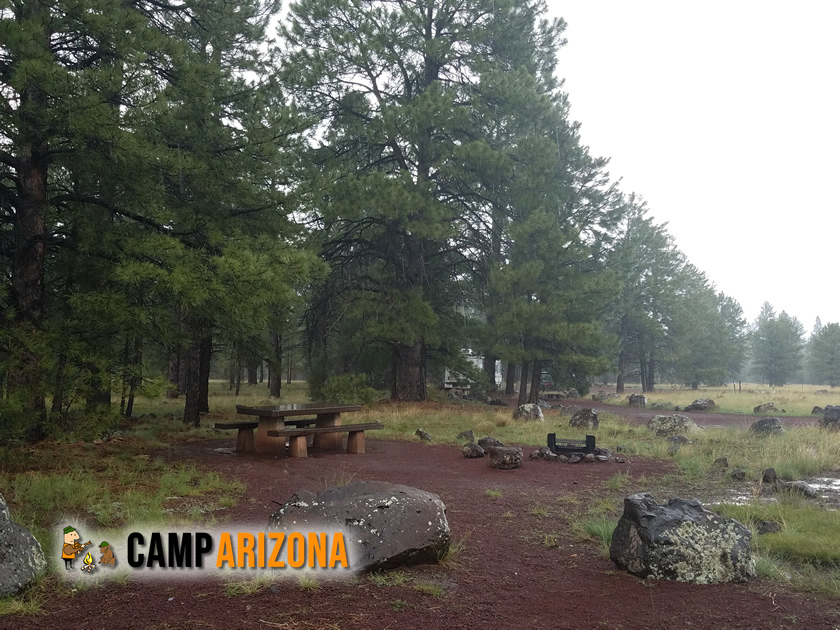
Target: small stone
[679,439]
[425,437]
[589,458]
[562,459]
[574,459]
[471,450]
[769,475]
[620,460]
[602,458]
[797,487]
[768,527]
[738,474]
[550,457]
[721,462]
[466,436]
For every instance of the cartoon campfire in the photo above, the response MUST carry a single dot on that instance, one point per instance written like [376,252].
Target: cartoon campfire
[90,565]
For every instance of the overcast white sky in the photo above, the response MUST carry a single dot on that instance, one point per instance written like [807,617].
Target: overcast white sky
[725,117]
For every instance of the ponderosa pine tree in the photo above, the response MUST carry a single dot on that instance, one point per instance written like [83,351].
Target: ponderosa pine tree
[777,346]
[407,144]
[824,355]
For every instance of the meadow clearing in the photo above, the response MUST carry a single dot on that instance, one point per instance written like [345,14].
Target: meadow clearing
[554,519]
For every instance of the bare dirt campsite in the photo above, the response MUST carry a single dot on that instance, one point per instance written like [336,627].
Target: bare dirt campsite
[529,546]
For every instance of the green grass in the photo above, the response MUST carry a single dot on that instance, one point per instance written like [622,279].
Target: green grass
[252,583]
[435,590]
[389,578]
[307,582]
[493,494]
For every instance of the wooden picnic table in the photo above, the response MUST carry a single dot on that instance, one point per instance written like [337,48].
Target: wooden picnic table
[272,417]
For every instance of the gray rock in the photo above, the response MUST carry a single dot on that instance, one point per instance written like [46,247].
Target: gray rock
[585,419]
[673,449]
[574,459]
[768,475]
[679,439]
[620,460]
[424,437]
[563,459]
[495,402]
[738,474]
[767,426]
[528,412]
[599,396]
[568,410]
[543,404]
[472,450]
[589,458]
[701,404]
[599,450]
[387,525]
[21,556]
[550,457]
[817,411]
[602,458]
[680,541]
[822,392]
[765,407]
[721,462]
[488,442]
[831,418]
[768,527]
[674,424]
[466,436]
[505,457]
[797,487]
[637,401]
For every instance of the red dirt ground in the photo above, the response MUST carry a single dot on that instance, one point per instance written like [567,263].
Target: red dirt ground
[505,576]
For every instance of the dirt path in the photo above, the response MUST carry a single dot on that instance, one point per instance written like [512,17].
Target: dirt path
[510,574]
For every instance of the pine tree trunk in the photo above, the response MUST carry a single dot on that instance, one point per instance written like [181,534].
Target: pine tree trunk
[490,370]
[289,363]
[510,379]
[238,371]
[173,368]
[136,374]
[29,257]
[205,357]
[643,373]
[622,369]
[251,366]
[410,371]
[536,382]
[276,366]
[192,391]
[650,372]
[523,384]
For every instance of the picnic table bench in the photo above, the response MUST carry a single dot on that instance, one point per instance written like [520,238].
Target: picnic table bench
[245,434]
[355,438]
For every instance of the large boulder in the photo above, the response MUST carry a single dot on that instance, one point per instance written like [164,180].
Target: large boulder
[387,525]
[680,541]
[675,424]
[637,400]
[21,556]
[472,450]
[529,411]
[765,408]
[767,426]
[505,457]
[831,418]
[701,404]
[584,419]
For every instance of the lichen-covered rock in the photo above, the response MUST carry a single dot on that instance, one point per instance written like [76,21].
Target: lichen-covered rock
[466,436]
[584,419]
[767,426]
[505,457]
[424,437]
[765,407]
[568,410]
[638,401]
[797,487]
[768,475]
[472,450]
[738,475]
[488,442]
[388,525]
[768,527]
[675,424]
[701,404]
[21,556]
[529,411]
[680,541]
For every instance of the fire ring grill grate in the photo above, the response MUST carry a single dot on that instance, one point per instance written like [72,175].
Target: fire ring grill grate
[563,446]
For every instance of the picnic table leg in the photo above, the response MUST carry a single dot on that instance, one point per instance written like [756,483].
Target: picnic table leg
[356,442]
[265,444]
[245,441]
[329,441]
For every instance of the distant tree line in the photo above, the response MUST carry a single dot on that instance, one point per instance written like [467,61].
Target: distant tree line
[379,188]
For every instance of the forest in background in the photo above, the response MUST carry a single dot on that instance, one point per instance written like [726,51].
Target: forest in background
[367,193]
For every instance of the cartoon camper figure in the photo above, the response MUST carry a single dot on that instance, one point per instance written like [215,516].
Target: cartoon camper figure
[72,547]
[107,552]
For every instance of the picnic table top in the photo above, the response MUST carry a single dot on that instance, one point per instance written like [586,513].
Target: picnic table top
[297,409]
